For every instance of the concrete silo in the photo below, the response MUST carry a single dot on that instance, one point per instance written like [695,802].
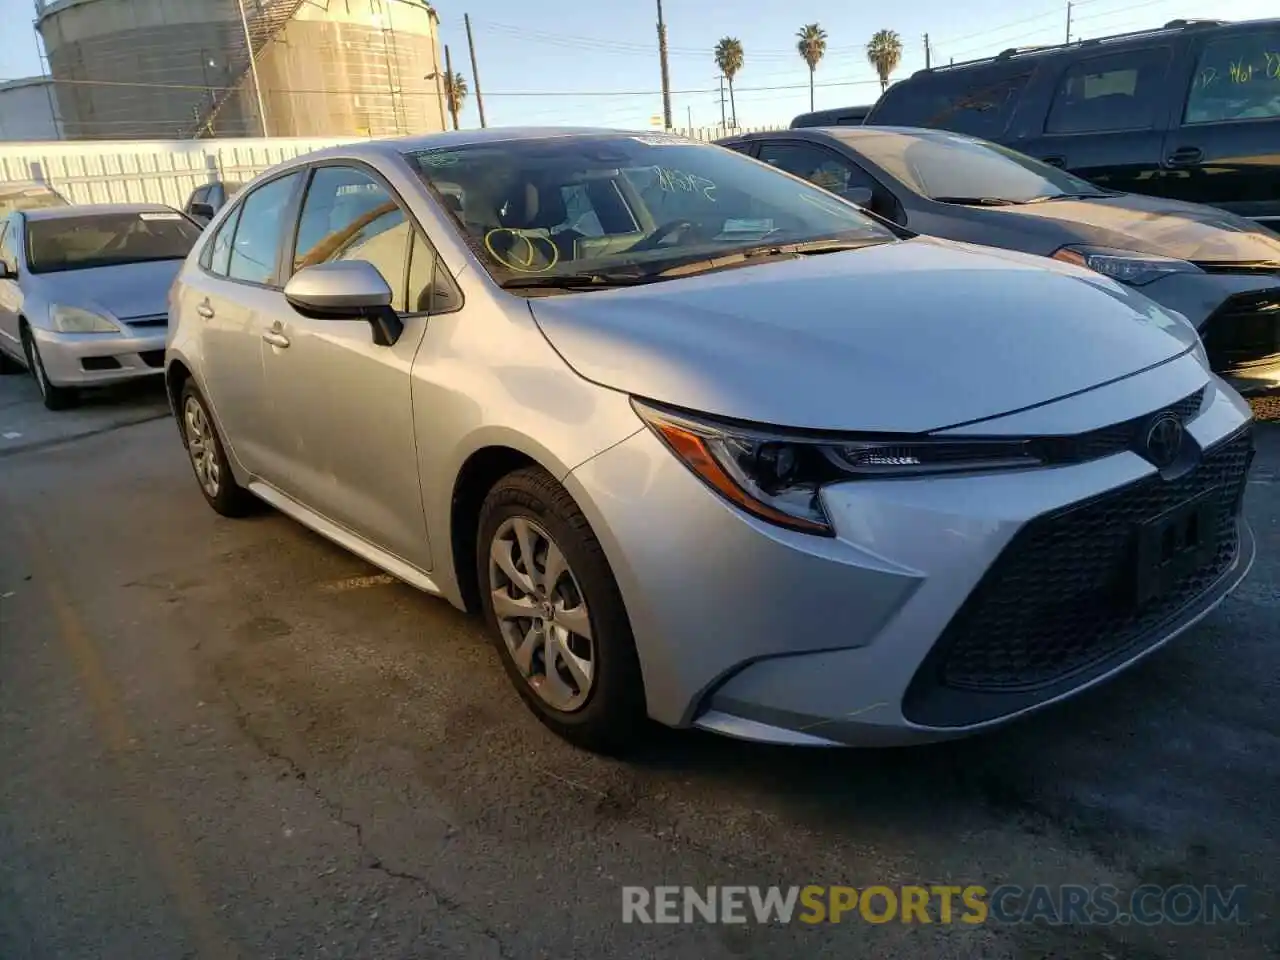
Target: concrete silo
[129,69]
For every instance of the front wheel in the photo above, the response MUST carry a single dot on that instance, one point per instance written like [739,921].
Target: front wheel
[54,397]
[554,606]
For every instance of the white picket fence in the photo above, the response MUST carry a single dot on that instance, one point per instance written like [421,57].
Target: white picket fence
[147,171]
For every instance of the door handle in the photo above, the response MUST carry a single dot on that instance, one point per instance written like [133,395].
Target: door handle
[1185,157]
[1055,161]
[275,338]
[205,309]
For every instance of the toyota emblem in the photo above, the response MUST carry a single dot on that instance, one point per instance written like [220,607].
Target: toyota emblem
[1164,440]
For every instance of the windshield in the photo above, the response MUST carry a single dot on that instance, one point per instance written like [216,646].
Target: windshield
[107,239]
[28,198]
[582,205]
[957,167]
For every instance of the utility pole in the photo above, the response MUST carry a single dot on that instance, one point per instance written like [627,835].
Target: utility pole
[666,77]
[448,86]
[928,59]
[475,71]
[253,67]
[690,116]
[1068,21]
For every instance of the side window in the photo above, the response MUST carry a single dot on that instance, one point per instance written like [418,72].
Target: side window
[258,233]
[217,197]
[422,275]
[1236,78]
[1119,92]
[979,103]
[347,215]
[216,257]
[818,165]
[580,215]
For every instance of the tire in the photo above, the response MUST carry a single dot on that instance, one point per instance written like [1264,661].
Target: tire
[608,714]
[208,458]
[54,397]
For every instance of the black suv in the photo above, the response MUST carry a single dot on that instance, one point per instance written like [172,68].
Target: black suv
[1190,111]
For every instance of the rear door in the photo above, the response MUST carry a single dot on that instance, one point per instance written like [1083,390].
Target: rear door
[1106,117]
[1224,146]
[236,297]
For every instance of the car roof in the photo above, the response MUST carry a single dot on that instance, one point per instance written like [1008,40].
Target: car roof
[399,146]
[91,209]
[849,135]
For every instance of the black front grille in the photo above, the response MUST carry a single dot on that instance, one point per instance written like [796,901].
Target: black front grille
[1112,439]
[1244,332]
[159,320]
[1061,597]
[152,358]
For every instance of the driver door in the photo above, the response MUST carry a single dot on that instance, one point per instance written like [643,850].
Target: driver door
[343,407]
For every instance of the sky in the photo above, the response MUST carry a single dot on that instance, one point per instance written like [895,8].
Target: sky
[595,61]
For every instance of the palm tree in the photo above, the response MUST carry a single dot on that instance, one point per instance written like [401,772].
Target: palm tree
[455,91]
[812,44]
[729,60]
[884,51]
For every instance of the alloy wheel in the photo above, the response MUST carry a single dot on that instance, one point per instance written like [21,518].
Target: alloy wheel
[542,614]
[202,446]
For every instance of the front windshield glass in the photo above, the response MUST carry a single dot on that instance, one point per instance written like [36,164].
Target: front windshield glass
[581,205]
[107,239]
[28,198]
[950,165]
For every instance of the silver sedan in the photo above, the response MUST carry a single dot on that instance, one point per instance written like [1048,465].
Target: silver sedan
[704,443]
[83,293]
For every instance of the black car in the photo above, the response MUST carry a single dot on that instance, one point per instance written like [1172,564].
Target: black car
[1220,271]
[841,117]
[207,200]
[1190,111]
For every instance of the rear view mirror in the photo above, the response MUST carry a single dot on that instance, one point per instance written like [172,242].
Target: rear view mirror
[346,290]
[862,196]
[201,211]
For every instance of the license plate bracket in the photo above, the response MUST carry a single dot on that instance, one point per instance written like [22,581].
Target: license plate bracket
[1175,543]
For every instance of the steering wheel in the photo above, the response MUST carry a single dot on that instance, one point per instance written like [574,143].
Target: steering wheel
[661,233]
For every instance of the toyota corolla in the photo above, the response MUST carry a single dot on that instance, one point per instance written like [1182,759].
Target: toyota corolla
[704,443]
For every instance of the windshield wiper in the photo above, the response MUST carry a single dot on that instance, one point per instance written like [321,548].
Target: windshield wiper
[979,201]
[576,281]
[804,248]
[1068,196]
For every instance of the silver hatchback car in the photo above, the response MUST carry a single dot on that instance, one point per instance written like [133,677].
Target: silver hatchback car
[705,443]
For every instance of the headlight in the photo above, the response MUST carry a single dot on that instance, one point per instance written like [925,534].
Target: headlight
[777,475]
[1126,266]
[75,320]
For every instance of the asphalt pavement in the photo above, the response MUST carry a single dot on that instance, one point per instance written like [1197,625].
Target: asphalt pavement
[231,739]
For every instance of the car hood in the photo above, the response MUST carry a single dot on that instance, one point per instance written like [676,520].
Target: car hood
[126,290]
[902,337]
[1169,228]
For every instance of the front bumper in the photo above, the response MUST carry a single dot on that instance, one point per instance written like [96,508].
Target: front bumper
[1238,316]
[762,633]
[91,359]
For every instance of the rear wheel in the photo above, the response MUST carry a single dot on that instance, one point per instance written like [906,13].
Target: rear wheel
[558,618]
[208,459]
[54,397]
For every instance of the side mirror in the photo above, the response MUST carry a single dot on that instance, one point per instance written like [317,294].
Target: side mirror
[346,290]
[862,196]
[6,273]
[202,211]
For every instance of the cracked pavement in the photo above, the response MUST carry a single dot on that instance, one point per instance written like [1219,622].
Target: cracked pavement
[231,739]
